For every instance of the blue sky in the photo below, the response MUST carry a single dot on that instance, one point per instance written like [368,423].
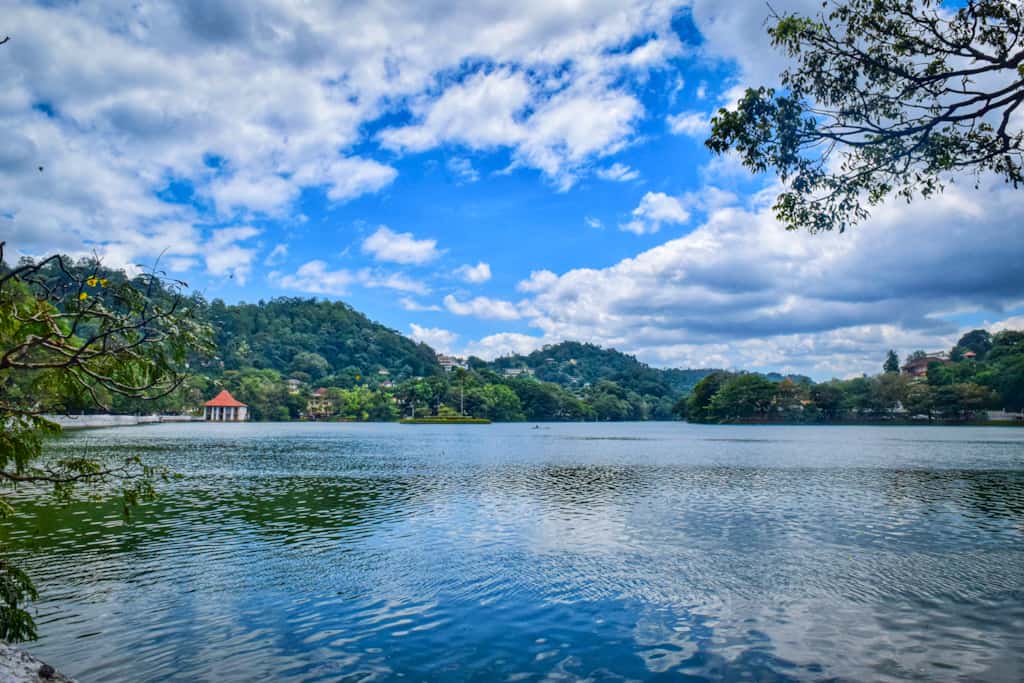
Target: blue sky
[483,177]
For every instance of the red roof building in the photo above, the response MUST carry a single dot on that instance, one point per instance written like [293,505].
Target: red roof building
[225,408]
[918,367]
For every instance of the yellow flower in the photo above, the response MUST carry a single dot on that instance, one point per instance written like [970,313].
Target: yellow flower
[91,281]
[103,282]
[83,296]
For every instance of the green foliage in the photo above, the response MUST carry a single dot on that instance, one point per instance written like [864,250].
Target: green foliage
[328,341]
[892,362]
[698,405]
[886,97]
[978,341]
[743,397]
[71,335]
[953,391]
[613,385]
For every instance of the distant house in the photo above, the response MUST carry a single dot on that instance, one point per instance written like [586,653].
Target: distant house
[449,363]
[293,385]
[918,367]
[225,408]
[517,372]
[319,404]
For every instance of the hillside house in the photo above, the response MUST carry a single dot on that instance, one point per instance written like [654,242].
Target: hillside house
[918,367]
[449,363]
[319,404]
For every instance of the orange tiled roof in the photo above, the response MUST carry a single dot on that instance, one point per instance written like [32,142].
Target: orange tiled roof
[225,400]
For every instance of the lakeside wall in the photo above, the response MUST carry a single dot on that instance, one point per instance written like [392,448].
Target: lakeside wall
[94,421]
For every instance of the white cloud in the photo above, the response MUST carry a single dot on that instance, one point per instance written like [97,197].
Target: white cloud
[503,344]
[397,281]
[462,169]
[539,280]
[224,256]
[346,178]
[400,247]
[439,339]
[740,291]
[1015,322]
[695,124]
[277,255]
[480,113]
[489,110]
[618,172]
[574,126]
[410,304]
[135,97]
[315,277]
[594,223]
[482,307]
[655,209]
[481,272]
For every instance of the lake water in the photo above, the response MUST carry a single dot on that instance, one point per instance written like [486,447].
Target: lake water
[605,552]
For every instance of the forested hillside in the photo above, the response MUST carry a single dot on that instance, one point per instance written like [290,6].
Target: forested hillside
[313,340]
[575,365]
[273,355]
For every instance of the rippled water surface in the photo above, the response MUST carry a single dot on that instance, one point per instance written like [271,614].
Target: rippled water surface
[317,552]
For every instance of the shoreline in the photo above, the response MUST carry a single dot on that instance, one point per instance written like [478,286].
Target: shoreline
[20,666]
[80,422]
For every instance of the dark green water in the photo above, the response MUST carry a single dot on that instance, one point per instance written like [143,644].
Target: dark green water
[505,553]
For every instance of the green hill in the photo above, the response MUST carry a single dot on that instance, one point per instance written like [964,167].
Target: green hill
[314,340]
[576,365]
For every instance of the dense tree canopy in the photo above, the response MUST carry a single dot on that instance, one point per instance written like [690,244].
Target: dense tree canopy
[886,97]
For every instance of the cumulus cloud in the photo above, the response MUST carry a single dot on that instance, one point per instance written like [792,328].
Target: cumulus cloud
[480,113]
[654,210]
[481,272]
[1015,322]
[503,344]
[346,178]
[120,104]
[741,291]
[436,337]
[555,132]
[482,307]
[400,247]
[225,256]
[539,280]
[315,277]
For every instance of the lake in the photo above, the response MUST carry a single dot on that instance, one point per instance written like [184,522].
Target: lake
[509,552]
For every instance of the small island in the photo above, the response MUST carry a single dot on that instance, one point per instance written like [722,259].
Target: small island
[445,416]
[438,420]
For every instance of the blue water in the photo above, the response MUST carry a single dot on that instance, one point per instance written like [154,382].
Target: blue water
[602,552]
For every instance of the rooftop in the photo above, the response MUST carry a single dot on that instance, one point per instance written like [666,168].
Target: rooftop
[225,400]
